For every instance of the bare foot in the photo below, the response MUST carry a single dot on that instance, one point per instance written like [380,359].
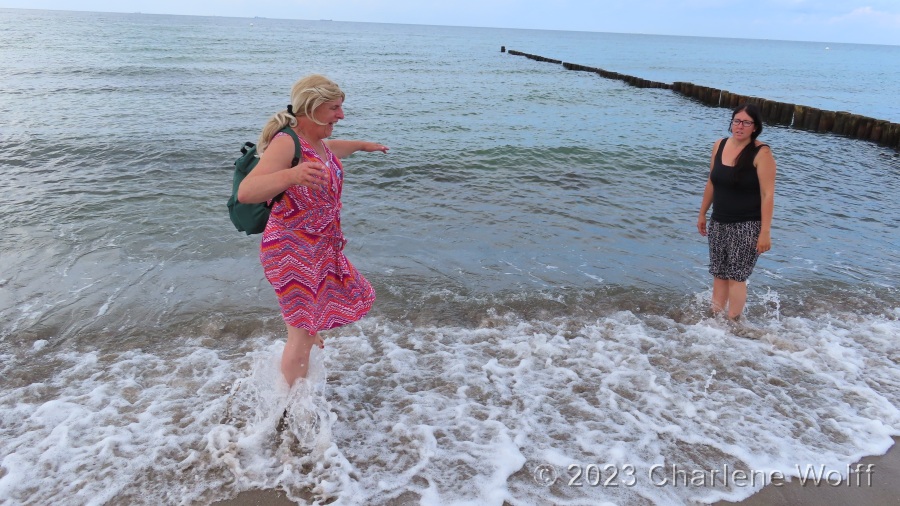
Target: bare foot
[319,342]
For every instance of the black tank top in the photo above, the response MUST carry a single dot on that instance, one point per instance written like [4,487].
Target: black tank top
[735,200]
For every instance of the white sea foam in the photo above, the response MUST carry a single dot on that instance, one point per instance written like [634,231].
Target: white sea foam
[150,429]
[444,415]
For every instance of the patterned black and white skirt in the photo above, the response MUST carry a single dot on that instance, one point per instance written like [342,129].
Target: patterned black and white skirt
[732,249]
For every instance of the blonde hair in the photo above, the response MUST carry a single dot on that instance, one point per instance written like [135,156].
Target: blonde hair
[306,95]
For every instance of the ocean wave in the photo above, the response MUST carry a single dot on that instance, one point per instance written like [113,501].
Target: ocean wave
[394,409]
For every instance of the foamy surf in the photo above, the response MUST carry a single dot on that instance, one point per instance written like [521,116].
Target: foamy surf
[279,437]
[395,412]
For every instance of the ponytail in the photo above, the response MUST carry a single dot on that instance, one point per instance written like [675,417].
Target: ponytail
[277,122]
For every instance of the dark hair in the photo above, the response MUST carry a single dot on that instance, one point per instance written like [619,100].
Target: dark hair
[744,161]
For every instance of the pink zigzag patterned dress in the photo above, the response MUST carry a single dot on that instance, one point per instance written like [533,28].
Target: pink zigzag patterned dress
[302,255]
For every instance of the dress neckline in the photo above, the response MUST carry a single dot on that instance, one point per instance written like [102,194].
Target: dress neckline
[328,153]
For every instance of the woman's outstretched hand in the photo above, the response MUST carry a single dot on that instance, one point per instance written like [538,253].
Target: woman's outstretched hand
[374,146]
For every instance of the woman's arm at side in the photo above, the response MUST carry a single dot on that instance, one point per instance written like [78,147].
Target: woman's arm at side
[274,174]
[765,171]
[343,149]
[707,193]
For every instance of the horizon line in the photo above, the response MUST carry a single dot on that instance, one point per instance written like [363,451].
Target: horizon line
[451,26]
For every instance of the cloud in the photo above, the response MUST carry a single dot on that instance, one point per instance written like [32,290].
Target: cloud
[868,15]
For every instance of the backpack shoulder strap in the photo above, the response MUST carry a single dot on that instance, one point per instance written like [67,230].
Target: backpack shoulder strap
[297,152]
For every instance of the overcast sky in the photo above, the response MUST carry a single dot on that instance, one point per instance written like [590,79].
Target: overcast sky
[862,21]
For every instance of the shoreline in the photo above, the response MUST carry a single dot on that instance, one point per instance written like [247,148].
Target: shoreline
[884,490]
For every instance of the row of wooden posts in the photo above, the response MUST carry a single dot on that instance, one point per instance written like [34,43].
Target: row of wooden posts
[801,117]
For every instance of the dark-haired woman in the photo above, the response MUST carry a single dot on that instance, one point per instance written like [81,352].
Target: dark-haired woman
[740,188]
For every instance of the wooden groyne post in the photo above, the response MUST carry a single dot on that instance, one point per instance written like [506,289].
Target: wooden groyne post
[801,117]
[634,81]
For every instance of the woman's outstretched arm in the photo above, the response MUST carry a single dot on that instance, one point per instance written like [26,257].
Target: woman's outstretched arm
[342,148]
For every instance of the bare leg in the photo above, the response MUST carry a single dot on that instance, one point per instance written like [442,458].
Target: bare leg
[720,295]
[295,359]
[737,297]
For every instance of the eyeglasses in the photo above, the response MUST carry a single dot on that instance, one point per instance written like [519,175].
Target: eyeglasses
[745,122]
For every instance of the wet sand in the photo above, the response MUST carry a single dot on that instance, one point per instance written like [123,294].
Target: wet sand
[884,491]
[258,498]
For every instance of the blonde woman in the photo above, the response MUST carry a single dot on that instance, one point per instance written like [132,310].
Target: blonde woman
[302,246]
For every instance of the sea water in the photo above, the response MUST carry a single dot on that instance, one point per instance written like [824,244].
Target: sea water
[541,320]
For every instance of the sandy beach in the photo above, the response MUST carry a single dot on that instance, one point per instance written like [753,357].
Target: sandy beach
[258,498]
[884,490]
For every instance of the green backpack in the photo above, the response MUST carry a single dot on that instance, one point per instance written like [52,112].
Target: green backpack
[252,218]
